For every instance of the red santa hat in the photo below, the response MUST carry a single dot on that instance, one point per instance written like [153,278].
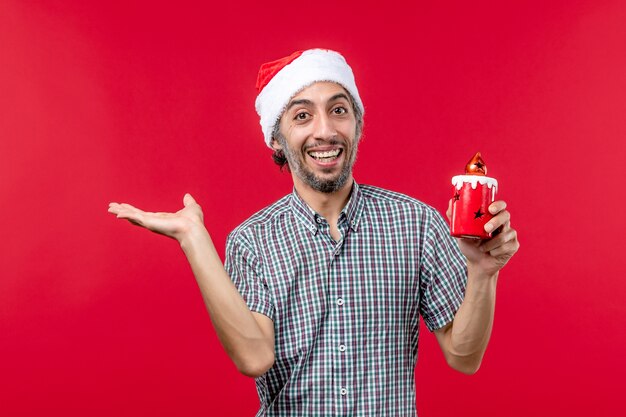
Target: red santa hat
[280,80]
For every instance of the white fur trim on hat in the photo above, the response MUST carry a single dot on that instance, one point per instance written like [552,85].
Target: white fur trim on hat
[312,66]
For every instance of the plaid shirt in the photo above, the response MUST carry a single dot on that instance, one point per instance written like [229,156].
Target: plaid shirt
[346,313]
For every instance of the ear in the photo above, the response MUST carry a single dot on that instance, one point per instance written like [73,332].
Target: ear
[275,145]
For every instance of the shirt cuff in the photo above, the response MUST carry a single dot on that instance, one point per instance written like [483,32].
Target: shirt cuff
[444,317]
[262,307]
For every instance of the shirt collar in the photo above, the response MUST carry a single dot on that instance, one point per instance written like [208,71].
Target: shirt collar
[311,220]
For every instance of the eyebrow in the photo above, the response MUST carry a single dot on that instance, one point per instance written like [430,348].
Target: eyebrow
[309,102]
[298,102]
[340,95]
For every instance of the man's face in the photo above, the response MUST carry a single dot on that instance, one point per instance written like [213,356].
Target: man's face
[317,136]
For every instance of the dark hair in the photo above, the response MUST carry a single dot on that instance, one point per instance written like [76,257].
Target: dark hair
[279,156]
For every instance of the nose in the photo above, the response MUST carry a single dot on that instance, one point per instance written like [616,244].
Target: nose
[324,128]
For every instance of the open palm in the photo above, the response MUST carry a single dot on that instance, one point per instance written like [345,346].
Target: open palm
[173,225]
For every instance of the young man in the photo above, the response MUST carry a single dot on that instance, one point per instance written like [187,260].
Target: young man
[322,291]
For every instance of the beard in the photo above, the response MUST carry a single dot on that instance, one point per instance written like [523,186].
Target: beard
[323,185]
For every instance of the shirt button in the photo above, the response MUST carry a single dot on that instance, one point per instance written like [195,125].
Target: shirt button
[342,348]
[339,301]
[318,219]
[343,391]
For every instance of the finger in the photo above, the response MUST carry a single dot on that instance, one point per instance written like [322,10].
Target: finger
[124,214]
[158,213]
[449,211]
[128,206]
[134,219]
[498,220]
[128,212]
[188,200]
[506,226]
[501,239]
[508,248]
[114,208]
[497,206]
[469,242]
[134,222]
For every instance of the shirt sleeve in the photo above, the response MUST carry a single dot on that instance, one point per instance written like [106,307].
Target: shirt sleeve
[244,269]
[443,275]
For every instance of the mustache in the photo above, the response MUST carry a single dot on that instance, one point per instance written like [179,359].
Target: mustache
[331,142]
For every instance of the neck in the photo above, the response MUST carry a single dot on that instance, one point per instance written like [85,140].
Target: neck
[328,205]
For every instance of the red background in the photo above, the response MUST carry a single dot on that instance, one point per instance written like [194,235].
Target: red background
[141,102]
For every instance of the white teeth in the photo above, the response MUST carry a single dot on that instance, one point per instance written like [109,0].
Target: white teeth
[328,154]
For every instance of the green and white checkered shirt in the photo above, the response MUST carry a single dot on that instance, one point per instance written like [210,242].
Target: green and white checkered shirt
[346,313]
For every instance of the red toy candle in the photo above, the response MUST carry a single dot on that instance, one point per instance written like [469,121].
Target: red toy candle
[473,193]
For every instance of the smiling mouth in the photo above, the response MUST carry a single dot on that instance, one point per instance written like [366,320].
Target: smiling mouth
[327,156]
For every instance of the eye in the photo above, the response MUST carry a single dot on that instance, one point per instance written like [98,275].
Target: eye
[301,116]
[340,110]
